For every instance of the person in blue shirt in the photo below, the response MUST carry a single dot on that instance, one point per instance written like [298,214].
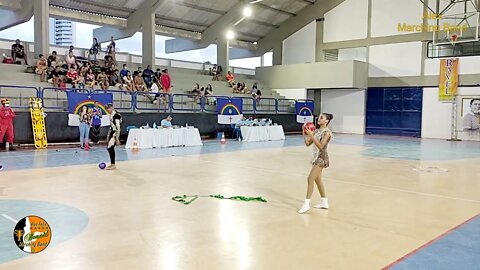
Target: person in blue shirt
[123,72]
[96,123]
[167,122]
[237,132]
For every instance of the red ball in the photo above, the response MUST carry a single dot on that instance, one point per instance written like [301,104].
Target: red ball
[309,125]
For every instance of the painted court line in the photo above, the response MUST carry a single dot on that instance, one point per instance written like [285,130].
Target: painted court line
[357,184]
[10,218]
[408,255]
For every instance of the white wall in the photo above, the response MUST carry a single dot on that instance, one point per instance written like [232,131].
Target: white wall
[300,47]
[348,109]
[347,21]
[466,65]
[292,93]
[386,14]
[437,116]
[359,54]
[393,60]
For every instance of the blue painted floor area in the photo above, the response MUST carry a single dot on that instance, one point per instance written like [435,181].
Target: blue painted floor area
[459,249]
[65,223]
[377,146]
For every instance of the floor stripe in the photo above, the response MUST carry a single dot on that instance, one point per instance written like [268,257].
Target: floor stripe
[355,183]
[10,218]
[428,243]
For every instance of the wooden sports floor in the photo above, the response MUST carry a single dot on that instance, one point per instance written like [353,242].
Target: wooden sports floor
[388,197]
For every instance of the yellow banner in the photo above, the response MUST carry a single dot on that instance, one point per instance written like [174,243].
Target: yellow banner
[448,79]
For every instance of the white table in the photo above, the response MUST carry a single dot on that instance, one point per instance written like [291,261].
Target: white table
[164,137]
[262,133]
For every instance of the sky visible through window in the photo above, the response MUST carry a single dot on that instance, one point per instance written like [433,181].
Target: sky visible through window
[133,45]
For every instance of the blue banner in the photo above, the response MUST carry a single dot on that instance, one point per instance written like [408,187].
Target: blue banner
[304,111]
[229,110]
[77,100]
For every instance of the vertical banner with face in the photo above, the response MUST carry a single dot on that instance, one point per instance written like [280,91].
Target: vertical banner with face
[448,84]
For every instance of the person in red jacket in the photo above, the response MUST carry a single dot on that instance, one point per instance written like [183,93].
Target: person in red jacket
[6,123]
[166,81]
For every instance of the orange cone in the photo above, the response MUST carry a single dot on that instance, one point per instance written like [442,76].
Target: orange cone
[135,145]
[223,141]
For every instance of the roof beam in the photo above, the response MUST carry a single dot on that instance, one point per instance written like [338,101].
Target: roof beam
[134,22]
[293,24]
[12,17]
[262,23]
[177,20]
[205,9]
[275,9]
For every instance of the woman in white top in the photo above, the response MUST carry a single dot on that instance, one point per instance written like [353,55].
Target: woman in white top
[128,80]
[71,60]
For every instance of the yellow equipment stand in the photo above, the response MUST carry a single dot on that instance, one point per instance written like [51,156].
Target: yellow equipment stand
[38,123]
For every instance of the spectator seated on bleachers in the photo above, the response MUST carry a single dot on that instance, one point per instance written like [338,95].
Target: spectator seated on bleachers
[123,72]
[18,51]
[208,95]
[148,76]
[84,69]
[128,82]
[257,95]
[139,82]
[70,60]
[102,80]
[53,60]
[90,81]
[72,77]
[196,89]
[94,50]
[41,68]
[240,88]
[115,79]
[56,77]
[216,72]
[230,79]
[155,93]
[108,62]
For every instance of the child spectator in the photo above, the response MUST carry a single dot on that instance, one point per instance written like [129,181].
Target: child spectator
[72,76]
[123,72]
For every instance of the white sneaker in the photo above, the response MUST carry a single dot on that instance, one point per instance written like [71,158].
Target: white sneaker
[323,204]
[304,209]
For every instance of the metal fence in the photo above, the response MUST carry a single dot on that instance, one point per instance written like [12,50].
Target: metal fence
[56,99]
[18,95]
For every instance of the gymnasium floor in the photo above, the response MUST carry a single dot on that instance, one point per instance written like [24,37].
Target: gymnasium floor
[387,209]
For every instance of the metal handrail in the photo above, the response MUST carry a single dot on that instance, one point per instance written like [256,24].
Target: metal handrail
[132,98]
[205,109]
[259,110]
[172,103]
[37,94]
[168,99]
[58,90]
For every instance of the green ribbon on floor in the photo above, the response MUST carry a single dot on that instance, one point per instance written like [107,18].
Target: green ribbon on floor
[188,199]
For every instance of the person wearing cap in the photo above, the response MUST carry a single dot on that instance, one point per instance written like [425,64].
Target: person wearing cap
[113,137]
[6,124]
